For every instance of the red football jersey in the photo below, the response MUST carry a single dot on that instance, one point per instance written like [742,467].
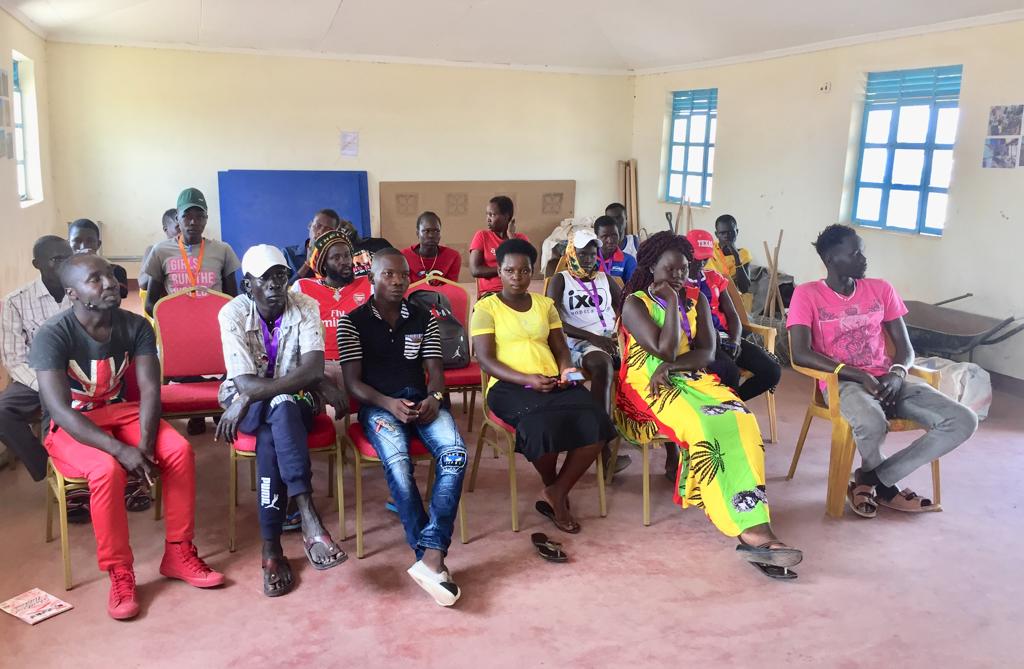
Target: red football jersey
[333,303]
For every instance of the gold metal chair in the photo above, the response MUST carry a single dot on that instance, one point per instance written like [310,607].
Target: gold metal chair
[843,445]
[768,335]
[504,441]
[244,448]
[362,454]
[57,487]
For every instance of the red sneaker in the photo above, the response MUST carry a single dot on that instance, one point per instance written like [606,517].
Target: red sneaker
[123,604]
[181,561]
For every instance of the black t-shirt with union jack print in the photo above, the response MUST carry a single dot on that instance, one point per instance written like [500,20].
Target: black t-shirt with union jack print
[95,369]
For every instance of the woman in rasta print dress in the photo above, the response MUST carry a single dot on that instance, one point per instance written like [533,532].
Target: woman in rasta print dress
[667,341]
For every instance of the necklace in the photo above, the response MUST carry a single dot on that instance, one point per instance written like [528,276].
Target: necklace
[844,298]
[423,266]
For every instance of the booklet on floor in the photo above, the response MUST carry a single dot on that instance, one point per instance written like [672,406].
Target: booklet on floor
[34,606]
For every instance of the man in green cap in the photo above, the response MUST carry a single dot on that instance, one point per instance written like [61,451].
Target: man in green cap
[190,260]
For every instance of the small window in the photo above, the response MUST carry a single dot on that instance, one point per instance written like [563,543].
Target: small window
[17,102]
[906,149]
[691,146]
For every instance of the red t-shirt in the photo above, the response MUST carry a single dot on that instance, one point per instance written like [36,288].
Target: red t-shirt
[447,263]
[488,242]
[718,284]
[333,303]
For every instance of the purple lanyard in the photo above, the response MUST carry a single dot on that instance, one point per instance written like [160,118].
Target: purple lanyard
[270,342]
[682,313]
[606,266]
[595,297]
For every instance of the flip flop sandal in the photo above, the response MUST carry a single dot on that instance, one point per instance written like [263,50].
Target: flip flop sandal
[136,497]
[771,571]
[292,522]
[273,566]
[547,549]
[908,501]
[544,509]
[390,506]
[325,539]
[861,499]
[784,556]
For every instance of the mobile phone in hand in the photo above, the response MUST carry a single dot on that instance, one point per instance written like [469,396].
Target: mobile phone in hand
[574,376]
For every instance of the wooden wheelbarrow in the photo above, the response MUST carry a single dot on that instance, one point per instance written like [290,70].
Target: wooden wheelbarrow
[938,330]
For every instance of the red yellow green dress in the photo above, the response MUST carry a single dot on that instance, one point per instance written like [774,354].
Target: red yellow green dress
[721,455]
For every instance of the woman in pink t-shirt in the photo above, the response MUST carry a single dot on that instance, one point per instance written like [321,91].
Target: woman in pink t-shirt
[483,263]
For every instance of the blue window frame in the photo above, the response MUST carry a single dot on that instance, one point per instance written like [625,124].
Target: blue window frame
[691,151]
[17,102]
[906,149]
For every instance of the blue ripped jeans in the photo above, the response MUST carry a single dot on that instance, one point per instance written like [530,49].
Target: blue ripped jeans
[390,438]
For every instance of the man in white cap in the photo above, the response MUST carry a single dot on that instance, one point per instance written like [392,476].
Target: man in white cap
[586,300]
[274,356]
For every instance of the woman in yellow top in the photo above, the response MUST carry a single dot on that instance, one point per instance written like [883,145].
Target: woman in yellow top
[667,341]
[518,340]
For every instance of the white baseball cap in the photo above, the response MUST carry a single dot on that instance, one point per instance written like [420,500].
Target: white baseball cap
[580,238]
[258,259]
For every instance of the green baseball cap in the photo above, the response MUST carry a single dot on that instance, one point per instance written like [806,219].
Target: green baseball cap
[191,197]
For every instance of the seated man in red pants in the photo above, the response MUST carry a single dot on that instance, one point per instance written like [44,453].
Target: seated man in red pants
[80,357]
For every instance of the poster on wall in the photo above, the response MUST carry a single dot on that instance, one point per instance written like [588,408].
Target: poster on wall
[1005,137]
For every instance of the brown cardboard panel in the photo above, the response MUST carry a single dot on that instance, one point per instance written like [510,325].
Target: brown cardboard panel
[539,207]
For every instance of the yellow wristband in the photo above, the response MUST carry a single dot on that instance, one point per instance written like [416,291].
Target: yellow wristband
[838,367]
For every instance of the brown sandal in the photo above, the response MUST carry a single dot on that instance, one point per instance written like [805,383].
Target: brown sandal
[908,501]
[862,500]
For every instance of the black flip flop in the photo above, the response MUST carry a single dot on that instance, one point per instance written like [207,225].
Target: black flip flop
[275,562]
[544,509]
[325,539]
[547,549]
[771,571]
[772,562]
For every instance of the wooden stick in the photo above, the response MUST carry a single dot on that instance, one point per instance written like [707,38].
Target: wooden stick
[679,216]
[775,262]
[689,216]
[769,302]
[620,171]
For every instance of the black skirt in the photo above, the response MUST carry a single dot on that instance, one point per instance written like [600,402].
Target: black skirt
[561,420]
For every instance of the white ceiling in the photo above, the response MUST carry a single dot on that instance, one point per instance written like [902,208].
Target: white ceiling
[587,35]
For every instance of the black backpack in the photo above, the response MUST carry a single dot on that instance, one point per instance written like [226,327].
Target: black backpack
[454,344]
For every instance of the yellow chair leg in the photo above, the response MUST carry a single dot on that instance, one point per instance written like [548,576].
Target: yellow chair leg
[472,406]
[252,474]
[840,465]
[232,498]
[511,453]
[358,505]
[936,488]
[462,523]
[610,472]
[330,474]
[50,501]
[647,483]
[476,457]
[800,444]
[602,503]
[773,419]
[340,472]
[65,552]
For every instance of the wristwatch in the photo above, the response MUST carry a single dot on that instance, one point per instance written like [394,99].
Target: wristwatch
[438,395]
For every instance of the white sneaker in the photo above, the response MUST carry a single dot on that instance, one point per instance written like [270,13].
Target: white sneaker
[437,585]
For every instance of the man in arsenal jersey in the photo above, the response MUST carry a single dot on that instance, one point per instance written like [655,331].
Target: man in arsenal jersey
[81,357]
[427,257]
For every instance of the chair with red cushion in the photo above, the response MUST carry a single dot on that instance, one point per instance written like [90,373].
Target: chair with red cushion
[362,452]
[465,379]
[323,438]
[188,337]
[504,441]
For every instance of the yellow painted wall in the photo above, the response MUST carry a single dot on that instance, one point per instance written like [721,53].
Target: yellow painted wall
[20,227]
[133,126]
[781,159]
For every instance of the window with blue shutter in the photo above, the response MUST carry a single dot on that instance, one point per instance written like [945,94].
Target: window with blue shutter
[691,155]
[906,149]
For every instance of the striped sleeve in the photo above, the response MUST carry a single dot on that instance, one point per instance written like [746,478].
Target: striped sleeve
[349,347]
[432,340]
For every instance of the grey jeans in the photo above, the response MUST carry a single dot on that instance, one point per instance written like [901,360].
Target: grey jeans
[19,410]
[948,424]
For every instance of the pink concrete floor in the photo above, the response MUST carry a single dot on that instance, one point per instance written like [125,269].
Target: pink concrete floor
[937,590]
